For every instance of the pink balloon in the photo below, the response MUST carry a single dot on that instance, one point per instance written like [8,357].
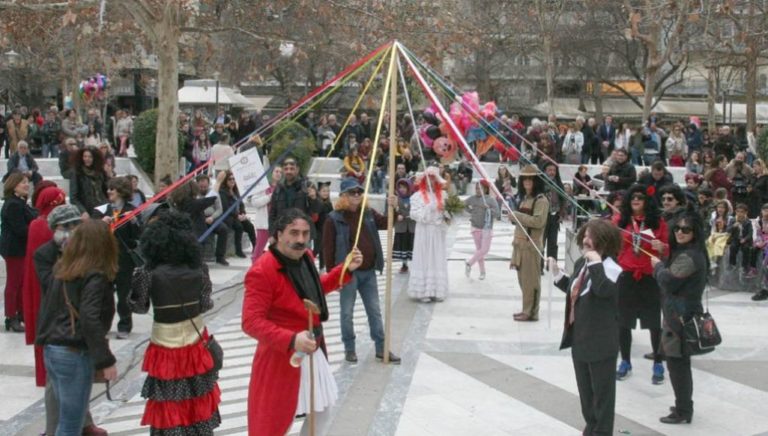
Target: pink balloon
[425,139]
[441,146]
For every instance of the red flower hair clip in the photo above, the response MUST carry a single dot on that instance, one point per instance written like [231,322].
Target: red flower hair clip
[651,191]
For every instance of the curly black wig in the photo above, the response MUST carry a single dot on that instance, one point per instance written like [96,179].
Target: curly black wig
[652,212]
[170,240]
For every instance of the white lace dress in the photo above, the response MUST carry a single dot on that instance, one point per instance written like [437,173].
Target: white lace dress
[429,267]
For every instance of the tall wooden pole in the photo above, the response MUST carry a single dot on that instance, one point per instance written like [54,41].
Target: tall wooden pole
[390,191]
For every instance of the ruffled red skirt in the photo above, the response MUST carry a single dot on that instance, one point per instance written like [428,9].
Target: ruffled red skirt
[181,390]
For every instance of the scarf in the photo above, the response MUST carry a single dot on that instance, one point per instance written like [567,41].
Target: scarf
[304,278]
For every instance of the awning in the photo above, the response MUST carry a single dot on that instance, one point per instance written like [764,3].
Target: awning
[257,102]
[206,95]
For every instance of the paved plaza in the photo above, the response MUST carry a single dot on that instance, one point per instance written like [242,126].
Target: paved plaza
[468,368]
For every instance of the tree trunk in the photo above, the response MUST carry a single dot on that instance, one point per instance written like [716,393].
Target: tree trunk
[166,141]
[597,98]
[650,82]
[550,73]
[750,86]
[711,99]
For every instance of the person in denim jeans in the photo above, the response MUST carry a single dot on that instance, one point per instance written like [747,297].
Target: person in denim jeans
[338,240]
[81,290]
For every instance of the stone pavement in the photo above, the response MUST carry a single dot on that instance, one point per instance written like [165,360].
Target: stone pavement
[467,369]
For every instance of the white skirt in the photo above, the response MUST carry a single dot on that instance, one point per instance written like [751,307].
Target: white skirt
[429,267]
[326,391]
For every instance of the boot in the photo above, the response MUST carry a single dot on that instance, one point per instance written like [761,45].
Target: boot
[14,324]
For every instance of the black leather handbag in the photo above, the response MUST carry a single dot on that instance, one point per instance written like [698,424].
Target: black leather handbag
[701,332]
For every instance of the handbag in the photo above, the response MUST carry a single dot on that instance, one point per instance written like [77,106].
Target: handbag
[211,344]
[701,333]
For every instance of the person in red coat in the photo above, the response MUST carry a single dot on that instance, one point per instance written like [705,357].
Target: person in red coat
[274,314]
[46,198]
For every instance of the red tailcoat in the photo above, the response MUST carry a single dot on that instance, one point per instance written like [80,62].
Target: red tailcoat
[273,313]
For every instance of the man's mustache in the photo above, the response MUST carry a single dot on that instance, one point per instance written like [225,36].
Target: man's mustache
[298,246]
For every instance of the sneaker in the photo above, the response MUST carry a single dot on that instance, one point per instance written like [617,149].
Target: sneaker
[624,371]
[467,269]
[222,261]
[393,359]
[658,374]
[425,300]
[404,269]
[241,255]
[350,356]
[93,430]
[482,276]
[760,296]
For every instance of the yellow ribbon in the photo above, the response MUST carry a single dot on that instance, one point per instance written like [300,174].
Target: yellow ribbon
[384,101]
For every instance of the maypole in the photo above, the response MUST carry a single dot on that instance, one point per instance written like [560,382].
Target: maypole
[392,206]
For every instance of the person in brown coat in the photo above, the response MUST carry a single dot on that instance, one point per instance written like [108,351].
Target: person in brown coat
[18,130]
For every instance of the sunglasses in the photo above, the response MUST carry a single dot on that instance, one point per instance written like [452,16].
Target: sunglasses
[355,192]
[685,229]
[638,197]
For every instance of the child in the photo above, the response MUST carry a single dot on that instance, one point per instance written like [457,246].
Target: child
[741,240]
[483,209]
[761,243]
[721,212]
[404,225]
[721,194]
[716,243]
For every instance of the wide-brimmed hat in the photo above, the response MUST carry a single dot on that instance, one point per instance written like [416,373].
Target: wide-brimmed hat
[529,171]
[433,173]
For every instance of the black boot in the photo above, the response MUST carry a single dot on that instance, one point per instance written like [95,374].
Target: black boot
[675,418]
[14,324]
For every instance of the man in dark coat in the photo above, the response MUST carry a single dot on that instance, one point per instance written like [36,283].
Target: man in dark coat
[591,328]
[290,193]
[622,173]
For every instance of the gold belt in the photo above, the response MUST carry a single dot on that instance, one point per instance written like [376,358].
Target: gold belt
[177,335]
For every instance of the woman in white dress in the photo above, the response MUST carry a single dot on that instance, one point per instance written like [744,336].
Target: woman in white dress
[429,267]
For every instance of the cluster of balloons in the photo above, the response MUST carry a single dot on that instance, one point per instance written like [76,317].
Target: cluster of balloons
[436,134]
[94,87]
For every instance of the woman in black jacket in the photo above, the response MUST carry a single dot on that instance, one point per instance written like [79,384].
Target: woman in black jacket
[88,183]
[682,278]
[75,316]
[14,225]
[120,193]
[237,220]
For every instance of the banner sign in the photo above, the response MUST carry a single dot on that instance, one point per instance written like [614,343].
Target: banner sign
[247,168]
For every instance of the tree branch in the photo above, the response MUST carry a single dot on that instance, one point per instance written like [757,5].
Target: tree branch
[43,7]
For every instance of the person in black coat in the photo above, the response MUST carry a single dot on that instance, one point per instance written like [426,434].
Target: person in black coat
[15,217]
[622,173]
[237,219]
[81,290]
[290,193]
[88,182]
[120,193]
[591,328]
[185,199]
[682,279]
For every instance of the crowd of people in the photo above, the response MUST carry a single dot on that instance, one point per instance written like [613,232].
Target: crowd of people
[72,265]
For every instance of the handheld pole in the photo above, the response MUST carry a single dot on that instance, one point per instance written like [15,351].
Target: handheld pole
[312,309]
[391,207]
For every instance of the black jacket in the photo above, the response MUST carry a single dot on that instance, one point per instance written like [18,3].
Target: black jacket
[646,179]
[227,200]
[594,335]
[286,197]
[93,298]
[127,236]
[15,217]
[87,192]
[627,176]
[44,259]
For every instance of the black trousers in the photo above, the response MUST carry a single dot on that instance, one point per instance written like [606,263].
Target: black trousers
[597,392]
[550,234]
[682,383]
[240,227]
[123,289]
[221,232]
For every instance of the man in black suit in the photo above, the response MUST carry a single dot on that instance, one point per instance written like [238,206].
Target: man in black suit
[606,135]
[591,326]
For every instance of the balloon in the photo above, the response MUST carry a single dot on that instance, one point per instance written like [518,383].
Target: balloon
[446,148]
[433,132]
[425,139]
[489,111]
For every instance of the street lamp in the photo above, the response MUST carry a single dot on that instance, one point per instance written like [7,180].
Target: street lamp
[216,77]
[12,58]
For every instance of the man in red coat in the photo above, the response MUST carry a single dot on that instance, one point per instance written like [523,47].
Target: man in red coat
[274,314]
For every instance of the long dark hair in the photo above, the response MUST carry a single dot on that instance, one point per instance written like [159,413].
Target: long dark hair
[692,219]
[92,247]
[98,160]
[170,240]
[650,209]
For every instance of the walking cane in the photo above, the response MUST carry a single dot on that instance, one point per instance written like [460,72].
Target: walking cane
[312,309]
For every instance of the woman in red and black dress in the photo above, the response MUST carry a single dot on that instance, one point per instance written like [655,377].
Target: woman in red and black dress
[181,390]
[639,296]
